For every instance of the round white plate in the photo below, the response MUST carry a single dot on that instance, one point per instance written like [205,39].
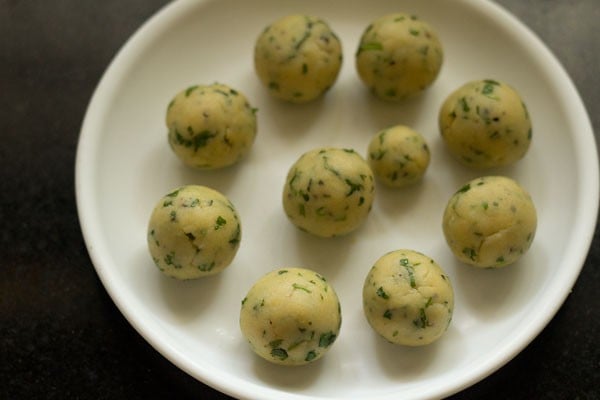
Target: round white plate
[124,166]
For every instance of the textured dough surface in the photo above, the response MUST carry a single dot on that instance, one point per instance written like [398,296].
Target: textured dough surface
[408,299]
[210,126]
[329,191]
[291,316]
[298,58]
[490,222]
[193,232]
[398,56]
[398,156]
[485,124]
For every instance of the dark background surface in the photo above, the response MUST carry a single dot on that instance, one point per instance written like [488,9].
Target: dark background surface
[62,337]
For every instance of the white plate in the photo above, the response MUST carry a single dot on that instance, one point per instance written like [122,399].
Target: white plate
[124,166]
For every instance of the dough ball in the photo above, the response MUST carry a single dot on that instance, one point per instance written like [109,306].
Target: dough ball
[408,299]
[291,316]
[298,58]
[398,56]
[485,124]
[329,191]
[490,222]
[210,126]
[398,156]
[193,232]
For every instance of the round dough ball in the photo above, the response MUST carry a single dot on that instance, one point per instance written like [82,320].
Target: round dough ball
[485,124]
[193,232]
[398,156]
[408,299]
[291,316]
[210,126]
[298,58]
[490,222]
[329,191]
[398,56]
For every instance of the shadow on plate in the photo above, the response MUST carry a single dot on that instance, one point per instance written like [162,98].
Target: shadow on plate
[404,362]
[501,292]
[288,378]
[188,299]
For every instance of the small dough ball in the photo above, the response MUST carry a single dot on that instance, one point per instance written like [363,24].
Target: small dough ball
[398,56]
[210,126]
[398,156]
[193,232]
[485,124]
[291,316]
[298,58]
[329,191]
[408,299]
[490,222]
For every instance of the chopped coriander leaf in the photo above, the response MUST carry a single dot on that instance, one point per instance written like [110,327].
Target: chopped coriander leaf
[279,353]
[326,339]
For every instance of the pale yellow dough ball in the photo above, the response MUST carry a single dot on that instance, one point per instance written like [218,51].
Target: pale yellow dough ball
[210,126]
[485,124]
[399,55]
[298,58]
[408,299]
[193,232]
[490,222]
[329,191]
[291,316]
[398,156]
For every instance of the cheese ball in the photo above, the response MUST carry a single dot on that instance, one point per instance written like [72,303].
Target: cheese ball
[408,299]
[485,124]
[298,58]
[398,156]
[490,222]
[193,232]
[210,126]
[329,191]
[399,55]
[291,316]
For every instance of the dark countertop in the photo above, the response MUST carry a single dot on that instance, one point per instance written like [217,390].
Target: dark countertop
[62,337]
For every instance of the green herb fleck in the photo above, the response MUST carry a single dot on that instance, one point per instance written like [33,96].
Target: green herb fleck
[279,353]
[387,314]
[464,104]
[381,293]
[189,90]
[326,339]
[300,287]
[421,322]
[220,223]
[370,46]
[311,355]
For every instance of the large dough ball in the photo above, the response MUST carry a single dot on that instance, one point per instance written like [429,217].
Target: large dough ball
[398,156]
[210,126]
[490,222]
[485,124]
[408,299]
[291,316]
[298,58]
[398,56]
[329,191]
[194,231]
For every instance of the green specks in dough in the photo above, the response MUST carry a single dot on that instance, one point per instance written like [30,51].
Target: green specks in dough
[279,353]
[381,293]
[220,222]
[297,286]
[189,90]
[387,314]
[326,339]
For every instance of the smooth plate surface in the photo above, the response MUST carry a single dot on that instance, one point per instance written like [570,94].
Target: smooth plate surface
[124,166]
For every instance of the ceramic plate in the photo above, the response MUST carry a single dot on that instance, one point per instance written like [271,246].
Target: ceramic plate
[124,166]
